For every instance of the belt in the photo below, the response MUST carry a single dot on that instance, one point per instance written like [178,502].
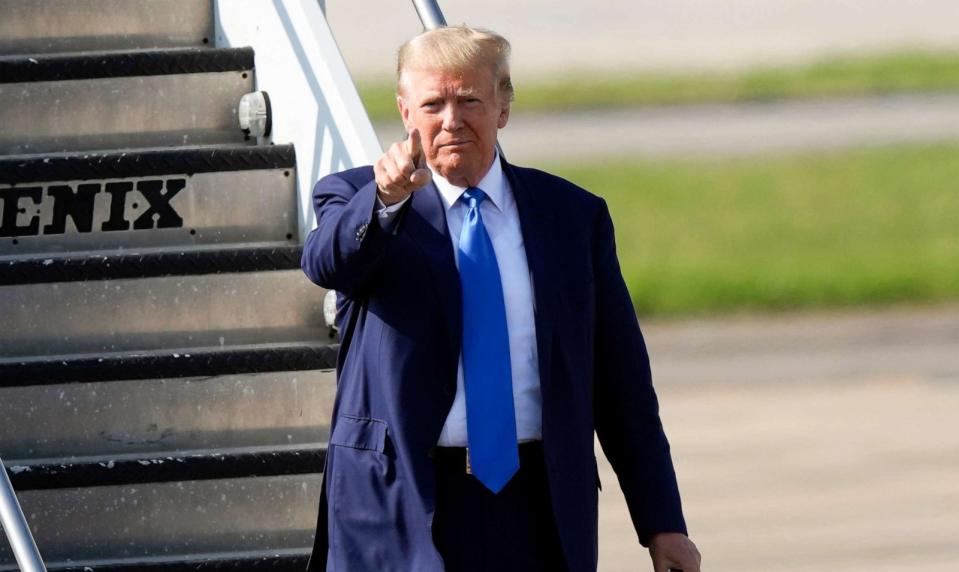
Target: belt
[458,457]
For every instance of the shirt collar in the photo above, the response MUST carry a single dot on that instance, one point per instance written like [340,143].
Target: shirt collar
[493,184]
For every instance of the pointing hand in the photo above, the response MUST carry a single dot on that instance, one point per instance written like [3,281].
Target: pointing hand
[401,170]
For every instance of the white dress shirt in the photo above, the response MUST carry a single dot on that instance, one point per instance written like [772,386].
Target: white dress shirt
[502,224]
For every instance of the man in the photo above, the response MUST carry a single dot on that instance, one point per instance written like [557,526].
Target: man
[486,334]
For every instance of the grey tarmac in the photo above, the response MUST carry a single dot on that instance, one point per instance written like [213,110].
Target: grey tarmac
[808,442]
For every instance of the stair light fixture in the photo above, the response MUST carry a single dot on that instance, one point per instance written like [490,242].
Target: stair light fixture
[255,114]
[329,311]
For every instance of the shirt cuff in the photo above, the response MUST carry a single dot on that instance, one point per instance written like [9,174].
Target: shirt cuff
[386,215]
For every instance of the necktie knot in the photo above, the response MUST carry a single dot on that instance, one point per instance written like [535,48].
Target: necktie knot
[474,196]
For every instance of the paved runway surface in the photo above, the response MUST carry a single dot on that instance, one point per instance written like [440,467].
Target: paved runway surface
[811,443]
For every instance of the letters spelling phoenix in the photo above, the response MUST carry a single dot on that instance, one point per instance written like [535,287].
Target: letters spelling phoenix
[79,205]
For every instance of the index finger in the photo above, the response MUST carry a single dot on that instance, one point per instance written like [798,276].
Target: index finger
[414,146]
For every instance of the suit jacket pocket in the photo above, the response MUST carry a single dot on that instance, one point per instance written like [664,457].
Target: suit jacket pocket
[367,499]
[359,433]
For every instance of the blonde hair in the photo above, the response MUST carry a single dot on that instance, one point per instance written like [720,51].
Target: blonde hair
[457,48]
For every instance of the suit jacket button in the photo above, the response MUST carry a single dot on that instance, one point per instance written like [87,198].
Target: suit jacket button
[361,231]
[431,452]
[449,389]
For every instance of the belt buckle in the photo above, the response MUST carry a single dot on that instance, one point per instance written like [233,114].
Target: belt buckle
[469,467]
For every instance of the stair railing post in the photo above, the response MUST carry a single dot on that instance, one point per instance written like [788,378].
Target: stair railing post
[430,14]
[16,527]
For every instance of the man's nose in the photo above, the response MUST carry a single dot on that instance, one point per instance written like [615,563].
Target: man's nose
[452,119]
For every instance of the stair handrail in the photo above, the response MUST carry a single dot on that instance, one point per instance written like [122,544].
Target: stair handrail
[430,14]
[16,528]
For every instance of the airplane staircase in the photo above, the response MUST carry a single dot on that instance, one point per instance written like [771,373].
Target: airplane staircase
[165,368]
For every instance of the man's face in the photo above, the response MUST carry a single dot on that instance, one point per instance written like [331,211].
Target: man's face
[457,114]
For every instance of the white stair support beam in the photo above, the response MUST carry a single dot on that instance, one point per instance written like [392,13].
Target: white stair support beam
[315,104]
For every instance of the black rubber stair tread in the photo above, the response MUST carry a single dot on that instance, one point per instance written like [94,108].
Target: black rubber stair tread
[79,166]
[165,468]
[195,362]
[47,268]
[97,65]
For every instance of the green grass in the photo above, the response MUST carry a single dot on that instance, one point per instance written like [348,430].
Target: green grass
[862,227]
[832,77]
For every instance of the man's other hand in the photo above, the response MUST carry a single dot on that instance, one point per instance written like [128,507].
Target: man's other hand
[674,551]
[401,170]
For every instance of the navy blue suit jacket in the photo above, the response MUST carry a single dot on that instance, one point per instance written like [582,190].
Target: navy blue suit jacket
[400,318]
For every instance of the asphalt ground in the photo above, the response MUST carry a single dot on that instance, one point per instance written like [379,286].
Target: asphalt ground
[808,443]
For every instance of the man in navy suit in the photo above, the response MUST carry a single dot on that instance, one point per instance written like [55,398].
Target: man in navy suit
[487,333]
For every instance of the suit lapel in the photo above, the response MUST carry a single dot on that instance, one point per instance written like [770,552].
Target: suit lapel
[535,223]
[426,225]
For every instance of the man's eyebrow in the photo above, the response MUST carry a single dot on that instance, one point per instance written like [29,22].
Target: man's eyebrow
[465,92]
[439,94]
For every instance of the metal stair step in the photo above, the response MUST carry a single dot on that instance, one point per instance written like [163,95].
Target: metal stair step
[147,198]
[36,27]
[113,100]
[173,466]
[161,313]
[173,518]
[200,398]
[289,560]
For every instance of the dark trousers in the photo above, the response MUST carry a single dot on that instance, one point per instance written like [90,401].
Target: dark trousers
[514,530]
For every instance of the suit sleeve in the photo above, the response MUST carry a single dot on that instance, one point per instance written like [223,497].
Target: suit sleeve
[348,244]
[626,408]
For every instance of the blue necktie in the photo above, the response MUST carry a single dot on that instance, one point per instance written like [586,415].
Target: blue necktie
[490,417]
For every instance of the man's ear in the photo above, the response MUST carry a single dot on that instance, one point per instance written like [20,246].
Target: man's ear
[503,118]
[404,108]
